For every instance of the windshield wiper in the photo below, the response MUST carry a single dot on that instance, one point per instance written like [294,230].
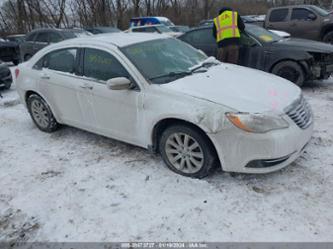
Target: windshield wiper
[210,61]
[172,75]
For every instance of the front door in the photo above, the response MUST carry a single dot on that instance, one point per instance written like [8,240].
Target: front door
[117,112]
[306,24]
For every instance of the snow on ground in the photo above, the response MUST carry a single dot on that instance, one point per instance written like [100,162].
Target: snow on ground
[76,186]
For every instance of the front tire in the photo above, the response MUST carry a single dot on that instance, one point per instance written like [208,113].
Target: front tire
[188,152]
[41,114]
[291,71]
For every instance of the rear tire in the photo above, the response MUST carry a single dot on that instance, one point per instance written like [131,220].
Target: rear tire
[7,86]
[41,114]
[328,37]
[27,57]
[188,152]
[291,71]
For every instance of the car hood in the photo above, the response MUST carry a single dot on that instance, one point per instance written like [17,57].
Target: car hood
[305,45]
[239,88]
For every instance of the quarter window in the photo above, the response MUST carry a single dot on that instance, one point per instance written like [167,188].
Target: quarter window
[302,15]
[102,65]
[278,15]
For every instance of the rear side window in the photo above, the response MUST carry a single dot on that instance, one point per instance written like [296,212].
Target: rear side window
[60,60]
[30,37]
[146,30]
[204,36]
[42,37]
[301,14]
[278,15]
[54,37]
[102,65]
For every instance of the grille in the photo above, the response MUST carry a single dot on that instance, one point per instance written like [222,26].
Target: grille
[300,112]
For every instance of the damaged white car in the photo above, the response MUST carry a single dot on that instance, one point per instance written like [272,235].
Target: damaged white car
[159,93]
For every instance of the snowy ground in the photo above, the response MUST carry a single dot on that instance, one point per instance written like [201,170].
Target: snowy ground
[76,186]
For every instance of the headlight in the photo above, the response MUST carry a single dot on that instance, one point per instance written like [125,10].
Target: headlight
[257,123]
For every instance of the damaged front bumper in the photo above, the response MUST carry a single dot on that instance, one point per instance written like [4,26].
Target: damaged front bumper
[246,152]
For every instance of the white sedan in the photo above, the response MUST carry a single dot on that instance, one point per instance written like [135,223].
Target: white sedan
[159,93]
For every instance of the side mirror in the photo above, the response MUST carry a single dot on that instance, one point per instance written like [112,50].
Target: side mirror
[312,17]
[119,83]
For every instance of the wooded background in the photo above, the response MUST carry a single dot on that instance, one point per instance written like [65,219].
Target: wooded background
[21,16]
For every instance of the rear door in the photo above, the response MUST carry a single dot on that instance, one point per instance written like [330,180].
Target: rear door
[278,19]
[60,84]
[306,24]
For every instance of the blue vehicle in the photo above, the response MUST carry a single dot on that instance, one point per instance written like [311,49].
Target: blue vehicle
[151,20]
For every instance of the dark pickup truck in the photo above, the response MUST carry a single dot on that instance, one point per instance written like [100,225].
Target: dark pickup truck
[302,21]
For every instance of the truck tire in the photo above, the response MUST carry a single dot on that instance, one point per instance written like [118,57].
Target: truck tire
[291,71]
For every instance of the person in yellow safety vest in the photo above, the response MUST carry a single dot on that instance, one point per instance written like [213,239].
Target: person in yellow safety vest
[226,30]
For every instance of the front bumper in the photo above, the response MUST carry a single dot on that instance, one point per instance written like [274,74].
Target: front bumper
[240,151]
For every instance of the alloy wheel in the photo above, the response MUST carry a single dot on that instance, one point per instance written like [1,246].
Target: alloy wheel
[184,153]
[39,113]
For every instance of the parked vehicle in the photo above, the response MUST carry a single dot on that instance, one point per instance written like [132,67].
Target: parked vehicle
[40,38]
[19,38]
[179,28]
[302,21]
[150,20]
[159,93]
[161,29]
[102,30]
[297,60]
[9,52]
[247,20]
[5,77]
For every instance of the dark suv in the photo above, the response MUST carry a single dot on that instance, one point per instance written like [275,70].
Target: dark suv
[40,38]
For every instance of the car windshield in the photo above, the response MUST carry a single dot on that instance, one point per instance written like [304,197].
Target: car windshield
[164,60]
[262,34]
[319,10]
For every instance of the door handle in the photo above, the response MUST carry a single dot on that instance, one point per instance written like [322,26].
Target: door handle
[45,77]
[86,87]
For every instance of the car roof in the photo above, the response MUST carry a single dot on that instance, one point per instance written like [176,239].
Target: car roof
[119,39]
[160,18]
[55,29]
[147,26]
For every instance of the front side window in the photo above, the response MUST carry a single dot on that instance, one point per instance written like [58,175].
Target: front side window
[101,65]
[302,15]
[279,15]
